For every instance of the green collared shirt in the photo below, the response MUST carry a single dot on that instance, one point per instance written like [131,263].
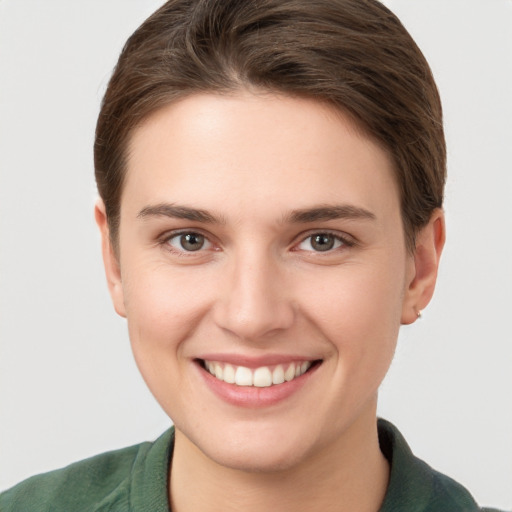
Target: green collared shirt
[135,479]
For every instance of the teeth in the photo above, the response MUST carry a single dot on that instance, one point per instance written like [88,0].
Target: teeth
[243,376]
[278,375]
[261,377]
[229,374]
[290,373]
[304,367]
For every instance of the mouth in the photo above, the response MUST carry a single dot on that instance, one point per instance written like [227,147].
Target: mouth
[260,377]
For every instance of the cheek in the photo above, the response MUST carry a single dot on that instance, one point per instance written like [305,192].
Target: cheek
[358,300]
[163,311]
[359,312]
[162,308]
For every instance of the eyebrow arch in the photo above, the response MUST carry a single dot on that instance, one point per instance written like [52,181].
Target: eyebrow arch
[179,212]
[328,212]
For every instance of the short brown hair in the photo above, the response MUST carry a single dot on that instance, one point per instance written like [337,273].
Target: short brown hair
[353,54]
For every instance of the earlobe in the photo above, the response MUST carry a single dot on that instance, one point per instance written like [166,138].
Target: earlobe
[110,260]
[421,283]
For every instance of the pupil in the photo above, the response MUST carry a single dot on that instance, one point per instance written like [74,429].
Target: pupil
[192,241]
[323,242]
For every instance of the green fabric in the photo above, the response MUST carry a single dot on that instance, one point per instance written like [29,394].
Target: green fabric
[135,479]
[414,485]
[131,479]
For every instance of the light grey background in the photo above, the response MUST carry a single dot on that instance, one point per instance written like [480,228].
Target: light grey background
[68,385]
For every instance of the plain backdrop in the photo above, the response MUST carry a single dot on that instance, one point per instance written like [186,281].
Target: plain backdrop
[68,385]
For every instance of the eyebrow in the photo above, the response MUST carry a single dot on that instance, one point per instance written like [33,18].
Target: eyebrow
[179,212]
[328,212]
[301,216]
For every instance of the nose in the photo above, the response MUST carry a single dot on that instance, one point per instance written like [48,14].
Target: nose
[254,301]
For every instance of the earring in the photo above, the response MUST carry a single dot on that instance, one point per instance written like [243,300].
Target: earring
[418,313]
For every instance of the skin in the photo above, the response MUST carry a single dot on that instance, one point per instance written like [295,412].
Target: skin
[258,164]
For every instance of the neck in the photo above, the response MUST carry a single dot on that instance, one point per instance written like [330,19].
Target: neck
[350,474]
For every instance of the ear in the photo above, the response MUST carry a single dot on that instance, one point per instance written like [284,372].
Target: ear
[110,260]
[423,275]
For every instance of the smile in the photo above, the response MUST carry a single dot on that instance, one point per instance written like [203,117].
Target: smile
[262,377]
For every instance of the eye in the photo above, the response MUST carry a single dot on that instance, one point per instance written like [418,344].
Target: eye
[321,242]
[189,242]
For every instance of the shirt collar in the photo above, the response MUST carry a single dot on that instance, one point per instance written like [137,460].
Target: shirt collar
[413,484]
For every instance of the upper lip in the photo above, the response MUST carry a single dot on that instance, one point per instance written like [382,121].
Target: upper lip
[258,361]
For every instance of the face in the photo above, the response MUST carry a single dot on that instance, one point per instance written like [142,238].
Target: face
[263,273]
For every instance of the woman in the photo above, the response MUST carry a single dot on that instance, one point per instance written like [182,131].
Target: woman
[271,180]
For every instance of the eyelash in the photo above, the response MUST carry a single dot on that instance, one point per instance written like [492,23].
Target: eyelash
[166,242]
[343,241]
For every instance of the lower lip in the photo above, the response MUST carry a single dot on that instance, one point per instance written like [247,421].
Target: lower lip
[252,396]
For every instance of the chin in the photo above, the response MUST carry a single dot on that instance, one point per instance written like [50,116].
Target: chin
[254,459]
[254,449]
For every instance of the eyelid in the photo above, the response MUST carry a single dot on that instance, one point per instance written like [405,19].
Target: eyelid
[346,239]
[164,240]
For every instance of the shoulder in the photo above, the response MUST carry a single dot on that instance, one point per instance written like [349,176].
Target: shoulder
[447,493]
[74,487]
[414,485]
[103,482]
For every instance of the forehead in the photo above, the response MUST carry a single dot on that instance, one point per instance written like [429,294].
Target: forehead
[258,149]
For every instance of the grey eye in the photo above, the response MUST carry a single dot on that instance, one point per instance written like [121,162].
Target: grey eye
[189,242]
[192,241]
[320,242]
